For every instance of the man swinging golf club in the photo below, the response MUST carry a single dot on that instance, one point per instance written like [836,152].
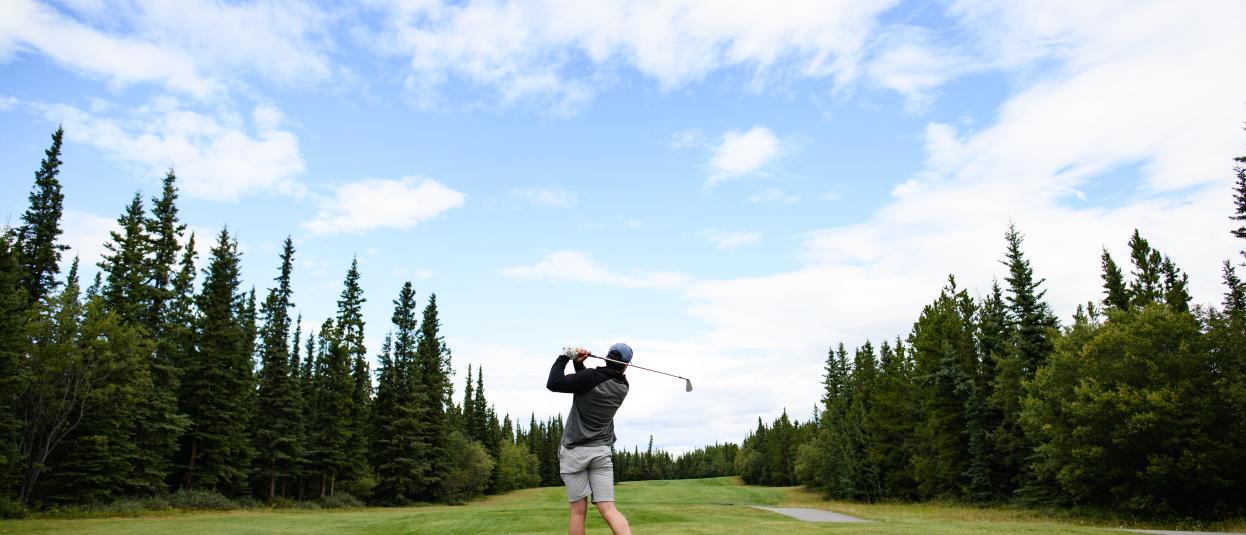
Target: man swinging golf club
[584,453]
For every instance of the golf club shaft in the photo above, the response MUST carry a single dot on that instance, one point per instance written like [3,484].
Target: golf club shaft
[635,366]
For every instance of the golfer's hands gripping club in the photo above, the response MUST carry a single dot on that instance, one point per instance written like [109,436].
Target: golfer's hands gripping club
[577,353]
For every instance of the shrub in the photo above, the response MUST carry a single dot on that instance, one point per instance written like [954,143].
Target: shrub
[10,508]
[340,500]
[201,500]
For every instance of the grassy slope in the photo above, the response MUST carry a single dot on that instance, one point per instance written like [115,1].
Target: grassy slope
[694,506]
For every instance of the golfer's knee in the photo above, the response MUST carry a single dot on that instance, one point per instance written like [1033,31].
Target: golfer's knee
[579,507]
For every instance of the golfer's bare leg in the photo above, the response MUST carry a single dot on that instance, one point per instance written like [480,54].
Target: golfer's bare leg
[579,509]
[616,520]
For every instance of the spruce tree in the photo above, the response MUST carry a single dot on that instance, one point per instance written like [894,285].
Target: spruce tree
[431,358]
[58,377]
[40,254]
[945,357]
[1116,294]
[278,414]
[218,382]
[398,455]
[350,327]
[103,458]
[1031,315]
[1239,201]
[12,348]
[1148,270]
[331,425]
[989,474]
[128,294]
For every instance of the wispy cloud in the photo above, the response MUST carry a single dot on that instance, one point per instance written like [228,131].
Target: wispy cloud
[537,51]
[574,266]
[774,195]
[379,203]
[724,239]
[554,197]
[743,153]
[194,47]
[216,156]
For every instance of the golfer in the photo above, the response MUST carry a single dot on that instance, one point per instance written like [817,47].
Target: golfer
[584,453]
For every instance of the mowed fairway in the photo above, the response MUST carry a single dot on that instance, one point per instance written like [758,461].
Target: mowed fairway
[718,505]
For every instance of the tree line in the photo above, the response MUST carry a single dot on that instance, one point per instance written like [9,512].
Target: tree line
[164,374]
[1139,404]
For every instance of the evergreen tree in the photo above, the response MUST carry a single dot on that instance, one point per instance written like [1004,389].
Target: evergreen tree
[278,415]
[40,254]
[102,459]
[219,384]
[125,266]
[945,357]
[1235,292]
[164,231]
[1116,294]
[989,474]
[58,378]
[128,294]
[890,422]
[398,458]
[1032,316]
[1148,270]
[469,404]
[350,327]
[295,370]
[331,425]
[1239,200]
[430,361]
[1032,328]
[12,348]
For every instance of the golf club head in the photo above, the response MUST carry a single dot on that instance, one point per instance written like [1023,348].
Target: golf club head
[687,385]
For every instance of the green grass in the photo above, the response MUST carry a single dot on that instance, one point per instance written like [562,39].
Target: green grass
[718,505]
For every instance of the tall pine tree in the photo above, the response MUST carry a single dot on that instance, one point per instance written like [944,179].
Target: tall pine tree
[218,381]
[278,414]
[350,326]
[40,254]
[431,361]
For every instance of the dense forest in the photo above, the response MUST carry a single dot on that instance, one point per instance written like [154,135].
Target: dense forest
[166,377]
[1138,404]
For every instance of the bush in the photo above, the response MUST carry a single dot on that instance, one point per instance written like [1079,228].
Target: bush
[204,500]
[10,508]
[469,472]
[340,500]
[517,468]
[129,506]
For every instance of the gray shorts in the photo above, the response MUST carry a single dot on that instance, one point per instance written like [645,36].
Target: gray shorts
[585,470]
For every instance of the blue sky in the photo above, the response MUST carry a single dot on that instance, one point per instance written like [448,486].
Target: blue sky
[730,187]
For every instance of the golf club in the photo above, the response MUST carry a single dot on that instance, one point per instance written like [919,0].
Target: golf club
[687,382]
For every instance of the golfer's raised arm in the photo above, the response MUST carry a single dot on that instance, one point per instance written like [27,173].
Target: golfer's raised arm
[570,383]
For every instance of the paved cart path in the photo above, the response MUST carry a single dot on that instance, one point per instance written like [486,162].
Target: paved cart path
[812,515]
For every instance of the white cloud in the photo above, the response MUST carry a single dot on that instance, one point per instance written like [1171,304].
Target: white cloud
[558,52]
[724,239]
[379,203]
[774,195]
[909,62]
[554,197]
[215,156]
[8,103]
[575,266]
[686,139]
[195,47]
[742,153]
[830,196]
[85,234]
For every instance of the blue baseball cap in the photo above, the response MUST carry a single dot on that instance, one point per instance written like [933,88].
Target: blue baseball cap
[621,352]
